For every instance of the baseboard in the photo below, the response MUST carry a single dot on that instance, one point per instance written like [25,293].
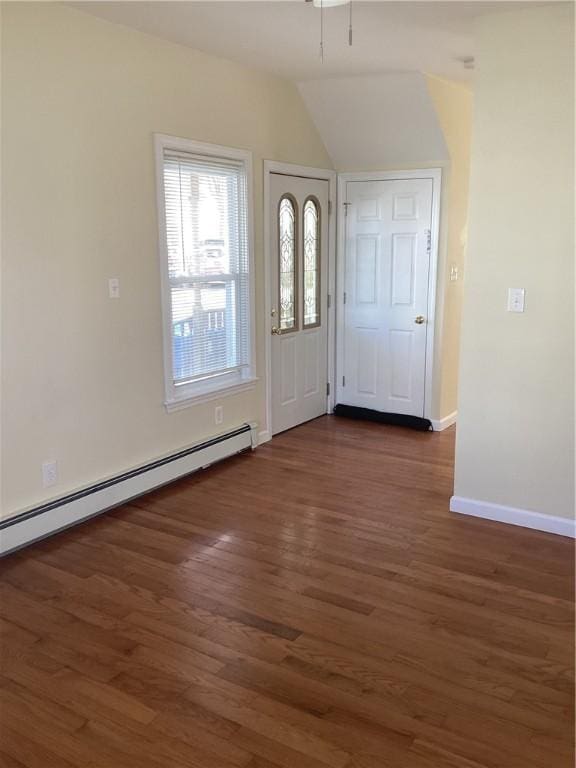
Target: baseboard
[440,424]
[264,437]
[60,513]
[562,526]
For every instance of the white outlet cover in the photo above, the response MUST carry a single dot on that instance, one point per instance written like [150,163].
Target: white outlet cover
[114,288]
[219,414]
[49,473]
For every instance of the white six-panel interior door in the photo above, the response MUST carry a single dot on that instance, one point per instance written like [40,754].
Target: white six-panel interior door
[298,322]
[384,322]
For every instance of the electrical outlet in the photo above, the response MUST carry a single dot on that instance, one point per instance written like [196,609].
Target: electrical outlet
[516,299]
[113,288]
[218,414]
[453,273]
[49,473]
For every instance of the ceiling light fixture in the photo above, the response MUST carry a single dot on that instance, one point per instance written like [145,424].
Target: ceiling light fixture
[328,3]
[321,4]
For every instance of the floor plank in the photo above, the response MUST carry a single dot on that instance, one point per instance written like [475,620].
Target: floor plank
[310,604]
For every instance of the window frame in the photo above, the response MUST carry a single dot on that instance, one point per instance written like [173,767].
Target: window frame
[295,207]
[219,384]
[316,203]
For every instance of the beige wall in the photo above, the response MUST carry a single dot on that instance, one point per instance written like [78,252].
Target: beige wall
[453,104]
[516,403]
[82,376]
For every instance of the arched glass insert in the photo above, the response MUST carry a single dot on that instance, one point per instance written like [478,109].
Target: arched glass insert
[311,263]
[287,263]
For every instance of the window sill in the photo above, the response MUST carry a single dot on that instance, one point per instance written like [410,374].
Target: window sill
[212,393]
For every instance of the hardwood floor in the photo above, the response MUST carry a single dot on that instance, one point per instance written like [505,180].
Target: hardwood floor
[311,604]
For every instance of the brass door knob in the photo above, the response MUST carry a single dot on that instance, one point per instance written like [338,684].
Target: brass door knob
[276,331]
[419,319]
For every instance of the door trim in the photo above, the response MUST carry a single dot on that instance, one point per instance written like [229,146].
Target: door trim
[306,172]
[435,174]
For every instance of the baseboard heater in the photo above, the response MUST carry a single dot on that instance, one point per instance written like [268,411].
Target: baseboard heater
[396,419]
[58,514]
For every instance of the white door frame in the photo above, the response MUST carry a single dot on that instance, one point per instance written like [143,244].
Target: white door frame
[306,172]
[435,174]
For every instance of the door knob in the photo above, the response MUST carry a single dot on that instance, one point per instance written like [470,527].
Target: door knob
[276,331]
[419,319]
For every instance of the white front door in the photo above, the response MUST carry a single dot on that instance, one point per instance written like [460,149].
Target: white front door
[387,262]
[299,277]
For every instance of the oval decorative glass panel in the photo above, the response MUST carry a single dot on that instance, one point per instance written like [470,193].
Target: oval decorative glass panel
[311,263]
[287,263]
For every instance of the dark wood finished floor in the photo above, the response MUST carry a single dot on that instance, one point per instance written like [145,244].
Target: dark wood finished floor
[311,604]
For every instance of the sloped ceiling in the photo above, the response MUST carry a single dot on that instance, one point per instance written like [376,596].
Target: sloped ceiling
[377,121]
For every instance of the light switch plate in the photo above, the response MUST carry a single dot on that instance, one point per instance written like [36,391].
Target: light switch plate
[114,288]
[516,299]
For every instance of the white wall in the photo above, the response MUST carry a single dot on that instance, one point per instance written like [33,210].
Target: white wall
[374,122]
[515,439]
[81,98]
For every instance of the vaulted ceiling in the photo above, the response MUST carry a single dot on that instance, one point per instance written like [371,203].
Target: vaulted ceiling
[376,121]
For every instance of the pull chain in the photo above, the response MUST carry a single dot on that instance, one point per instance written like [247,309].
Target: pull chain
[320,3]
[322,31]
[350,26]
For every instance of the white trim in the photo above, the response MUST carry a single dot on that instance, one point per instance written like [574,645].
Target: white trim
[264,437]
[199,393]
[110,492]
[562,526]
[211,394]
[438,425]
[323,174]
[435,174]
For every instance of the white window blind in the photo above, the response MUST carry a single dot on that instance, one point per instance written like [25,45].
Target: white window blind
[208,268]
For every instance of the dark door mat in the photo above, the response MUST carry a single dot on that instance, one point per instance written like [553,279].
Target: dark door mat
[396,419]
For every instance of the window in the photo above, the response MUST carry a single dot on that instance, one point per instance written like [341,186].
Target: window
[206,269]
[311,239]
[287,263]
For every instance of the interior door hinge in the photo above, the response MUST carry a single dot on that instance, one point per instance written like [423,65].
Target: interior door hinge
[327,388]
[345,208]
[329,207]
[344,298]
[343,381]
[428,240]
[329,301]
